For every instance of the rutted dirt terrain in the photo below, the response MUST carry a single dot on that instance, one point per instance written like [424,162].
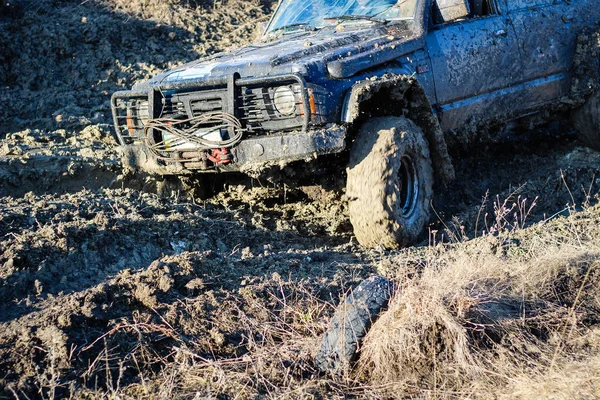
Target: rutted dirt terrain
[113,285]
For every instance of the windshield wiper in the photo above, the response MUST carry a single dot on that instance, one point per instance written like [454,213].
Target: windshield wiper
[352,17]
[301,26]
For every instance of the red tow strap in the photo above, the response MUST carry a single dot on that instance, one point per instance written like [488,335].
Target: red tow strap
[220,156]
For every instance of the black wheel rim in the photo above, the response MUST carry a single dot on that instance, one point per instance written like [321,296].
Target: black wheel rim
[408,187]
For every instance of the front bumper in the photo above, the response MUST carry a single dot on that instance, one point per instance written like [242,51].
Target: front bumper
[250,155]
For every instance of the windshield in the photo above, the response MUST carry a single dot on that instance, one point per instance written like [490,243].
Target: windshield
[314,14]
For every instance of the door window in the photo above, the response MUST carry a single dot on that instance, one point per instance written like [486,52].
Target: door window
[475,8]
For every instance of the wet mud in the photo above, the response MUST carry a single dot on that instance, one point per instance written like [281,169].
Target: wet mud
[104,274]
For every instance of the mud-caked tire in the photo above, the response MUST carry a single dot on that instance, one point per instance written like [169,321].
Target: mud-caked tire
[350,323]
[586,121]
[390,183]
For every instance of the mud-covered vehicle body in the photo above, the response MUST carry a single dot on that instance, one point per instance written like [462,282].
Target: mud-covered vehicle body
[387,81]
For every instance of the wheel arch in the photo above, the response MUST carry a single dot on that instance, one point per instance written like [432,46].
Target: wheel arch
[400,95]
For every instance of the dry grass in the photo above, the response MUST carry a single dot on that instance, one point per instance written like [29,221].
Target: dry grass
[508,315]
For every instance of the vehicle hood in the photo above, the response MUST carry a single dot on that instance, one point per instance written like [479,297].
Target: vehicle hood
[341,53]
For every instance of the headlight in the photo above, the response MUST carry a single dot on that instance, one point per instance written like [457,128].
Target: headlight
[284,100]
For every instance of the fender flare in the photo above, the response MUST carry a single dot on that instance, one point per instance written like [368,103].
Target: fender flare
[401,88]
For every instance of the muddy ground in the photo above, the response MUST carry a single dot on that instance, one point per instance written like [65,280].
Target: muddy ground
[110,283]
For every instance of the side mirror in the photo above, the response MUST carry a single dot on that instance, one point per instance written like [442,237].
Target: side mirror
[259,31]
[262,28]
[451,10]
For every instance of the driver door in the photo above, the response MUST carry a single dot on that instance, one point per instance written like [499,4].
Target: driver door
[475,60]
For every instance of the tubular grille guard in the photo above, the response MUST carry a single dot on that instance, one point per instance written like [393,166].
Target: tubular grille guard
[129,121]
[220,83]
[125,122]
[182,133]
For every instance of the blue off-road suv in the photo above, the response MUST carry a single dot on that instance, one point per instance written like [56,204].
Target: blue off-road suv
[384,83]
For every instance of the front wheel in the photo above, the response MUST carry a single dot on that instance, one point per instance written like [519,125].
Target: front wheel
[390,181]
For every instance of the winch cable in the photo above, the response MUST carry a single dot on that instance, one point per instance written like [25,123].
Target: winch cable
[189,134]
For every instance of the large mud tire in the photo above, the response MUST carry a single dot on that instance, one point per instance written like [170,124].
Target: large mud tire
[586,121]
[390,181]
[350,323]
